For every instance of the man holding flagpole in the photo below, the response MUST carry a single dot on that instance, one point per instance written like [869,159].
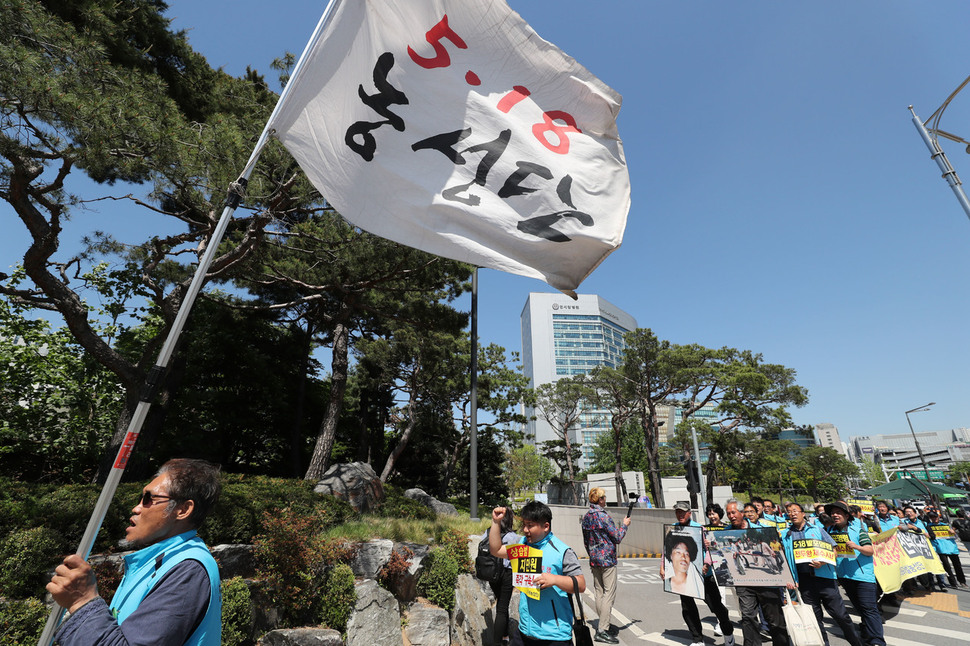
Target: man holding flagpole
[170,593]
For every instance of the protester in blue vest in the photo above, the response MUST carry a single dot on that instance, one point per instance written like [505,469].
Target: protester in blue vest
[170,594]
[548,620]
[712,595]
[912,521]
[752,599]
[855,569]
[945,544]
[816,580]
[886,519]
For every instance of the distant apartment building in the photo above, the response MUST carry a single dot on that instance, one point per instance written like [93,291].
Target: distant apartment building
[828,435]
[561,338]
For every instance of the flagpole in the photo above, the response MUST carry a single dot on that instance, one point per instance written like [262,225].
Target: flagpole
[473,450]
[149,388]
[936,152]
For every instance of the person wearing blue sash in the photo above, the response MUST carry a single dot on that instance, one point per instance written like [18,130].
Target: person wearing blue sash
[816,580]
[911,520]
[886,519]
[712,596]
[855,569]
[169,595]
[945,544]
[548,620]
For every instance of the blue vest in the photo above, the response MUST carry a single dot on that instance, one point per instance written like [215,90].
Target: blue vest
[859,568]
[550,616]
[945,545]
[826,570]
[889,522]
[147,566]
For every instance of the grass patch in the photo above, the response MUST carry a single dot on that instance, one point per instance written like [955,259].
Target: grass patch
[405,530]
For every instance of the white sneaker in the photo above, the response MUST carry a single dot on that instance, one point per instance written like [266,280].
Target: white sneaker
[717,629]
[697,644]
[729,640]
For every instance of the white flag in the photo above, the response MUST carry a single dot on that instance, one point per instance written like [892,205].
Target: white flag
[452,127]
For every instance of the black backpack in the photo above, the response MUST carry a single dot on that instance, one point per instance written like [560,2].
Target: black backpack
[487,567]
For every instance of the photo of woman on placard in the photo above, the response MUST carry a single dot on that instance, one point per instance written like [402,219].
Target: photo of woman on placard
[684,560]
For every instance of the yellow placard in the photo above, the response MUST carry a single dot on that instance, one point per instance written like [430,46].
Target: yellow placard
[526,567]
[812,549]
[842,549]
[865,505]
[941,531]
[901,555]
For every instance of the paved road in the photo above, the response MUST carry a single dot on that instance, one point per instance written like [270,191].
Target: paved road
[646,614]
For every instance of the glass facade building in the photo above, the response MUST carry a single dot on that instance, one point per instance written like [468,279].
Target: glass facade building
[562,338]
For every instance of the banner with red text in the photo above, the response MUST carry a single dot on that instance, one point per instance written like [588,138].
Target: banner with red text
[901,555]
[452,127]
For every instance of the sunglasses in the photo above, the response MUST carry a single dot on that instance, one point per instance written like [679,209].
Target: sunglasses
[148,499]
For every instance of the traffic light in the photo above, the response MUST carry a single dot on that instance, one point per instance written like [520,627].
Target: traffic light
[693,486]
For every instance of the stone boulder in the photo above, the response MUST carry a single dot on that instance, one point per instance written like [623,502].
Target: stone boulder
[472,620]
[235,560]
[431,502]
[302,637]
[405,586]
[355,482]
[427,625]
[371,557]
[376,619]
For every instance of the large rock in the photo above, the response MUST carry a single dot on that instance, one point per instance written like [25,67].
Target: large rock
[376,620]
[431,502]
[235,560]
[428,625]
[405,586]
[302,637]
[472,620]
[355,482]
[371,557]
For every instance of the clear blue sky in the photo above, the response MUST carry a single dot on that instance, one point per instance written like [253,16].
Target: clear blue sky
[781,199]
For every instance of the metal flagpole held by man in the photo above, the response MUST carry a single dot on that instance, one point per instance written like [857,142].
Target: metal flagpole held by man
[236,192]
[549,190]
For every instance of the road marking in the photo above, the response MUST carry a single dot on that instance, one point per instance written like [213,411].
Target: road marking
[621,619]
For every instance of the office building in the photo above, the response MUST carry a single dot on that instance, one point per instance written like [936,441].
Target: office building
[898,452]
[562,338]
[828,435]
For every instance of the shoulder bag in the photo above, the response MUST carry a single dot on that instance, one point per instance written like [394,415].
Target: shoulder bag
[801,622]
[581,634]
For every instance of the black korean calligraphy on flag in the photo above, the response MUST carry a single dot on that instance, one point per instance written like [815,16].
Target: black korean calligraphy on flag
[452,127]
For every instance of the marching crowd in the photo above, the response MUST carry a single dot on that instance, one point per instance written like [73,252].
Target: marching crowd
[170,592]
[821,585]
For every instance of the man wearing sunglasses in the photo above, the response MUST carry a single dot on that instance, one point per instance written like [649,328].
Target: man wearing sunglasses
[170,592]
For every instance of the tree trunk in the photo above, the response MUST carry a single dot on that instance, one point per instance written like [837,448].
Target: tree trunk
[296,429]
[338,384]
[403,440]
[652,449]
[618,469]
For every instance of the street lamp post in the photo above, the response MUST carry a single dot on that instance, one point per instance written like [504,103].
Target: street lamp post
[919,409]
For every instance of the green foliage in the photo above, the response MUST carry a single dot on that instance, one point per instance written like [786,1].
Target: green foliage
[237,612]
[291,556]
[455,542]
[397,505]
[21,622]
[526,470]
[245,499]
[440,578]
[25,557]
[338,598]
[57,406]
